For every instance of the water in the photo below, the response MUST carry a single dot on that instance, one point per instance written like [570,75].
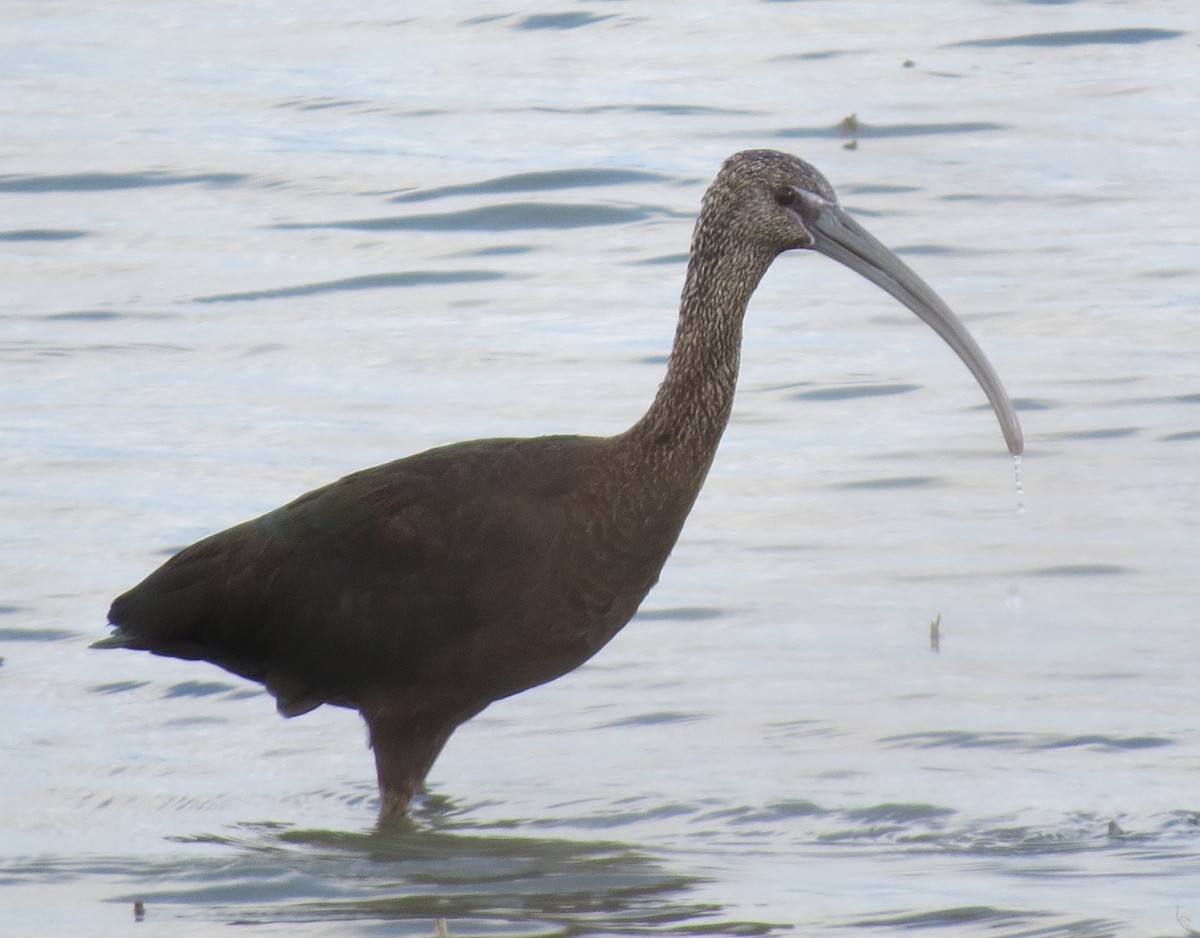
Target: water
[246,250]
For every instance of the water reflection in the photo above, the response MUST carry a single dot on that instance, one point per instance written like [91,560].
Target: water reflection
[475,883]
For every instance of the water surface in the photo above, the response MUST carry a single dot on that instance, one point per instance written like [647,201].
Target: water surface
[245,254]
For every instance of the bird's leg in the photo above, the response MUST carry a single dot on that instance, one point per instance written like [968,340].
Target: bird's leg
[406,740]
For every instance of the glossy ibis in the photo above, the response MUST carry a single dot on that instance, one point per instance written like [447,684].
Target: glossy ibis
[420,591]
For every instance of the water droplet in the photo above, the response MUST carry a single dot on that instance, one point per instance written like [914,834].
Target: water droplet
[1020,487]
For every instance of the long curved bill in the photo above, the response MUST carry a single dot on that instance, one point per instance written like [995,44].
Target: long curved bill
[840,237]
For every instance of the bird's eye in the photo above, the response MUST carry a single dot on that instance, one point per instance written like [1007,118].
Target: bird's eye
[785,195]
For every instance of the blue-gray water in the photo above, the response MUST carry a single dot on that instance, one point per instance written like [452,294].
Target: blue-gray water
[247,249]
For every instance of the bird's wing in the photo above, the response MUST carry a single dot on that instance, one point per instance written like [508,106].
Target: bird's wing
[360,581]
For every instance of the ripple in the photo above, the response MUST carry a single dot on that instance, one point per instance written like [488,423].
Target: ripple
[117,687]
[864,129]
[682,614]
[877,188]
[1029,404]
[321,103]
[35,635]
[772,813]
[367,282]
[901,813]
[42,234]
[1081,569]
[851,392]
[106,182]
[520,216]
[548,181]
[1107,433]
[562,20]
[199,689]
[654,719]
[91,315]
[1082,37]
[954,916]
[1028,742]
[662,260]
[894,482]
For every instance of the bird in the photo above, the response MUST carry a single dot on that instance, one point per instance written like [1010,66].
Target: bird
[420,591]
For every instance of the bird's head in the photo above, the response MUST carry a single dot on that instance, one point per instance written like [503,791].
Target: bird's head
[762,195]
[772,202]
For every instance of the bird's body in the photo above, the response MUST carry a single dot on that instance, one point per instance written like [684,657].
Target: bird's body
[420,591]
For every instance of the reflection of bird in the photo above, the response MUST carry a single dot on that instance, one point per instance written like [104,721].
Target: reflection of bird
[420,591]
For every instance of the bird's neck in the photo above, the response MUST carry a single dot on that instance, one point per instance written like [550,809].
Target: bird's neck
[678,436]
